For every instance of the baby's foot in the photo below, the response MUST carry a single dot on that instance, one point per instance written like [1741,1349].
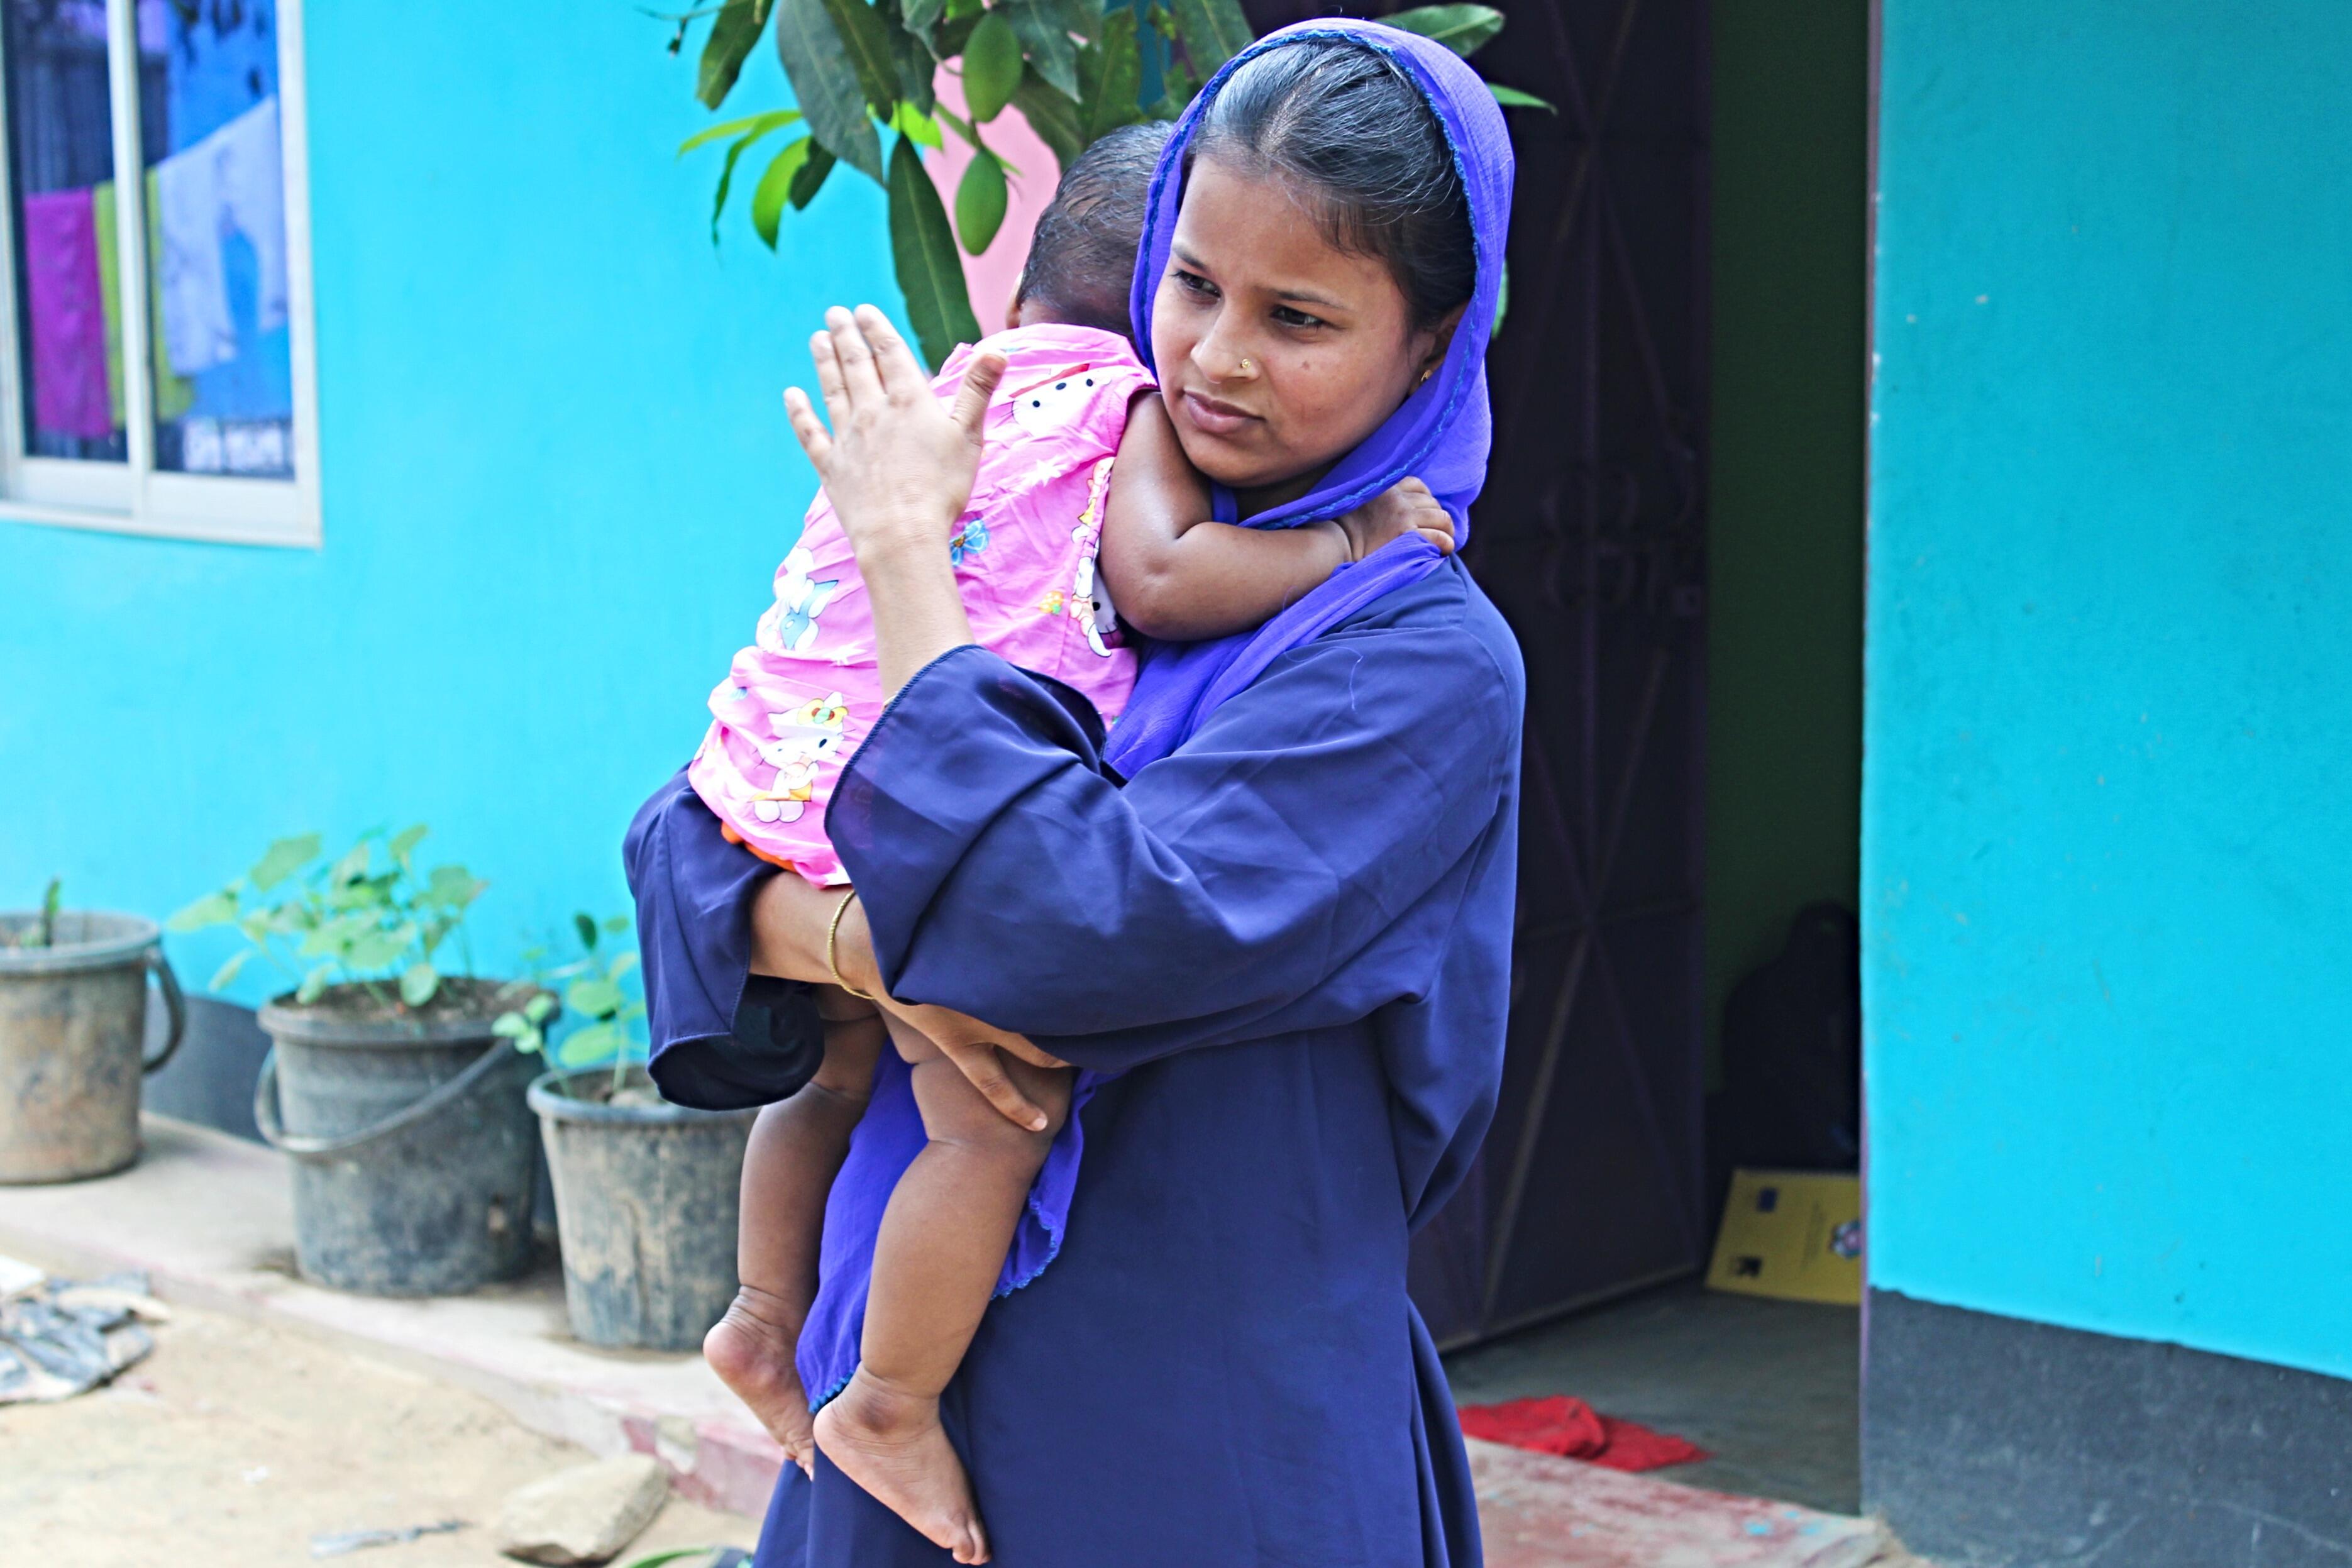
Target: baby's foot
[892,1445]
[752,1352]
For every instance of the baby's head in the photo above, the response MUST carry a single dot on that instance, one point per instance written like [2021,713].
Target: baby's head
[1082,259]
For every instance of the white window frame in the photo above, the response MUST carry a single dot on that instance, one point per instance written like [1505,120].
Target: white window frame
[133,496]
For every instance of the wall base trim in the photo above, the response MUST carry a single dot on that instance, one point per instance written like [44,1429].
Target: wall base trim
[1992,1442]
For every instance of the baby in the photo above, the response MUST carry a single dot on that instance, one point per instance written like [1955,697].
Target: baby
[1079,450]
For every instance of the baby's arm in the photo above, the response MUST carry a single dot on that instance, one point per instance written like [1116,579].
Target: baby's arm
[1177,576]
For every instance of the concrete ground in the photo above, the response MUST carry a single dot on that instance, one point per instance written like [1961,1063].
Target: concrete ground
[275,1410]
[235,1443]
[1773,1388]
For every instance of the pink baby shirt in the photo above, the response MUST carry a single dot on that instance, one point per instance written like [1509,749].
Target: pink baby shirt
[798,702]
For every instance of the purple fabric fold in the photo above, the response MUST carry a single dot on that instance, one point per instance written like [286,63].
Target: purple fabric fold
[1440,434]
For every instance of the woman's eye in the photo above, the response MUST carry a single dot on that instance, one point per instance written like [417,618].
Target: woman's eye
[1287,317]
[1193,283]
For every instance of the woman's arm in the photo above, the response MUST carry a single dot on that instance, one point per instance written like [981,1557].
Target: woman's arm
[1179,577]
[1295,866]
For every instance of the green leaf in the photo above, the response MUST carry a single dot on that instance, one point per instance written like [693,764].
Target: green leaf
[585,924]
[768,200]
[453,886]
[749,123]
[314,985]
[920,16]
[1213,31]
[916,126]
[1052,113]
[594,997]
[727,178]
[597,1043]
[923,246]
[353,867]
[723,53]
[616,924]
[227,972]
[827,85]
[403,843]
[1512,98]
[282,859]
[1180,86]
[418,981]
[980,202]
[538,1007]
[334,936]
[1110,77]
[865,41]
[621,964]
[991,68]
[810,178]
[512,1025]
[378,949]
[1044,29]
[1465,29]
[911,60]
[212,910]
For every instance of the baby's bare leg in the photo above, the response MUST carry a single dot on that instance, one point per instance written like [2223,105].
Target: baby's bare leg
[795,1151]
[936,1263]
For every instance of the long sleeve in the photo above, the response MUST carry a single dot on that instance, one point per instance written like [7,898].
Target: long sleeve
[1295,866]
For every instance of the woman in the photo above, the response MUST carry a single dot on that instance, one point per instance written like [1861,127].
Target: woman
[1287,933]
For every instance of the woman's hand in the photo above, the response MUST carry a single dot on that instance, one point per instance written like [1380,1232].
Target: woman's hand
[897,466]
[790,922]
[973,1047]
[898,469]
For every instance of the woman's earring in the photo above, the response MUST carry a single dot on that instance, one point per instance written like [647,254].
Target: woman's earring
[1425,374]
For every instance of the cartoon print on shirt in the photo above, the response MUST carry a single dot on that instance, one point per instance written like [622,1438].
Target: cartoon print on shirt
[1089,602]
[971,538]
[805,738]
[790,624]
[1055,403]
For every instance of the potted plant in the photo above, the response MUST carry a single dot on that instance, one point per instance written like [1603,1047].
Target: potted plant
[414,1152]
[73,1023]
[645,1191]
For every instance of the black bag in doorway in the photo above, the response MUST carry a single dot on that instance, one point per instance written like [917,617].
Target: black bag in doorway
[1792,1052]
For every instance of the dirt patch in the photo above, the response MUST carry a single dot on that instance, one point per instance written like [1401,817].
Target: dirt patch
[233,1444]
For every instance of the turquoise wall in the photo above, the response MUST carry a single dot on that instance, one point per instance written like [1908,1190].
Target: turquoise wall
[557,479]
[2107,863]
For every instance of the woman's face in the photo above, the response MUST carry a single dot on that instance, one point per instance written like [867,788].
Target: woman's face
[1277,351]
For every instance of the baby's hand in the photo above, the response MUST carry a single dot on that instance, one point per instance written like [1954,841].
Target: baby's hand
[1405,508]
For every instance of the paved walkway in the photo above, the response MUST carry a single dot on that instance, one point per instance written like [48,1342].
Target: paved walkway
[210,1218]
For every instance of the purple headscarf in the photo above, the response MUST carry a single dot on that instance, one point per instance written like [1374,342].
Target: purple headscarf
[1440,434]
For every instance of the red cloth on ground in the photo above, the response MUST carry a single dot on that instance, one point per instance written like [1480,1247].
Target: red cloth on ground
[1573,1429]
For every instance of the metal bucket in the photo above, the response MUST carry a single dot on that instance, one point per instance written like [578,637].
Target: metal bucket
[414,1155]
[73,1020]
[645,1204]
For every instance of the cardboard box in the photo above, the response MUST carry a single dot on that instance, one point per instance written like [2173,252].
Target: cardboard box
[1794,1235]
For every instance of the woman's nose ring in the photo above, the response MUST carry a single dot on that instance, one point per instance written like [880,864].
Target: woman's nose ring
[1246,367]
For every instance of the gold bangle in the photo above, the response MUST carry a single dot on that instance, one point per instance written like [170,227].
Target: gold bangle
[833,948]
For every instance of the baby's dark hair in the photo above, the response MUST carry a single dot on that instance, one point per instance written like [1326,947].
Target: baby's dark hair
[1082,259]
[1352,136]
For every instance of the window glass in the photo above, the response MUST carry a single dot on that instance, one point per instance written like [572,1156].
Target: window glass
[216,199]
[60,174]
